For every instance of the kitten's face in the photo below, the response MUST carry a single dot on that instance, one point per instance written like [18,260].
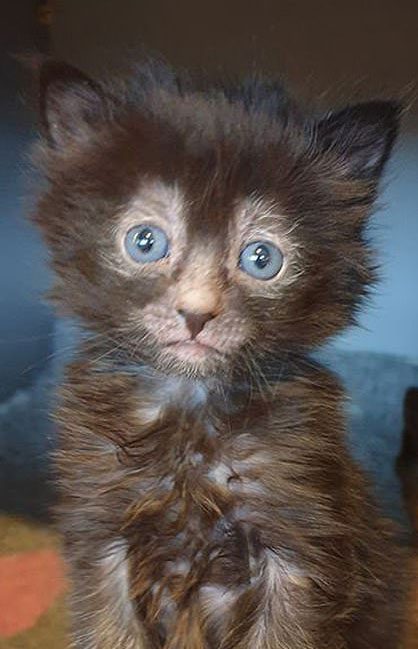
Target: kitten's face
[202,285]
[204,235]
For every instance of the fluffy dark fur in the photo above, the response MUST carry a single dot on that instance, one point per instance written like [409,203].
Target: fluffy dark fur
[208,500]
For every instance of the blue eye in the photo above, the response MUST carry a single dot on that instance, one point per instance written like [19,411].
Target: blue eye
[261,259]
[146,243]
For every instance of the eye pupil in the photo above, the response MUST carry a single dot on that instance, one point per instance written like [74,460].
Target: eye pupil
[144,240]
[261,257]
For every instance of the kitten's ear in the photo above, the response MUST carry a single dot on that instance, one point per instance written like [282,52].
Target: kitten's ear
[362,134]
[70,103]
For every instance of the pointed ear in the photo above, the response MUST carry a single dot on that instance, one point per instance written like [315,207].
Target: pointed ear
[362,134]
[70,103]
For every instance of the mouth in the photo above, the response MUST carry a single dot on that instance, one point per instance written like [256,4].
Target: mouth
[192,350]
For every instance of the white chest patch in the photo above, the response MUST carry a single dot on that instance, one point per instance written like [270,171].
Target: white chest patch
[185,393]
[114,568]
[240,476]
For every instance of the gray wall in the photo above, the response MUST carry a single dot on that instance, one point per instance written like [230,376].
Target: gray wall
[330,46]
[25,322]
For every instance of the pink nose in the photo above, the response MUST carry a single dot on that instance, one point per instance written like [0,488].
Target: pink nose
[195,321]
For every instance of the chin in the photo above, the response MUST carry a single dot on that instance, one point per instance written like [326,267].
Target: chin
[192,359]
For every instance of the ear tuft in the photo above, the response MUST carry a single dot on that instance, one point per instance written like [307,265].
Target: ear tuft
[362,134]
[70,103]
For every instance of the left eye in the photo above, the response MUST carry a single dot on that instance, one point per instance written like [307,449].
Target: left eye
[146,243]
[261,259]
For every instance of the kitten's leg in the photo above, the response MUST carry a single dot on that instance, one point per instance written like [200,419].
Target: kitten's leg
[103,616]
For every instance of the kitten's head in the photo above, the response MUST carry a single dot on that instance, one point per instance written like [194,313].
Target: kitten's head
[195,227]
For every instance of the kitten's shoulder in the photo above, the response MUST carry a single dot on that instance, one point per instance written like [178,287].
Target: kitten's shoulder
[306,369]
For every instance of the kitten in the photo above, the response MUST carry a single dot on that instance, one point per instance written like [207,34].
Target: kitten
[208,238]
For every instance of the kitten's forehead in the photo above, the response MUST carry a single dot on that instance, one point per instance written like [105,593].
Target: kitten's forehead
[203,120]
[157,200]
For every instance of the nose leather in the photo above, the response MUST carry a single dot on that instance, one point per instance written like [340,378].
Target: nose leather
[195,321]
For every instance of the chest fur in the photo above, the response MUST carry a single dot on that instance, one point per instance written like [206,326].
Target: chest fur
[199,492]
[191,526]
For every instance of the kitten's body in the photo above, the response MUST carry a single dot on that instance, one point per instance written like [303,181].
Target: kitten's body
[240,527]
[208,499]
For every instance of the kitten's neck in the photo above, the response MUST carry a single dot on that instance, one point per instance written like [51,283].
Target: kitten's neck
[235,383]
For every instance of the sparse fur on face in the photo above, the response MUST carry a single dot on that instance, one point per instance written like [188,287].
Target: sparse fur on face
[208,237]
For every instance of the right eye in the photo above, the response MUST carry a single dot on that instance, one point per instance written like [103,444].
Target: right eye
[146,243]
